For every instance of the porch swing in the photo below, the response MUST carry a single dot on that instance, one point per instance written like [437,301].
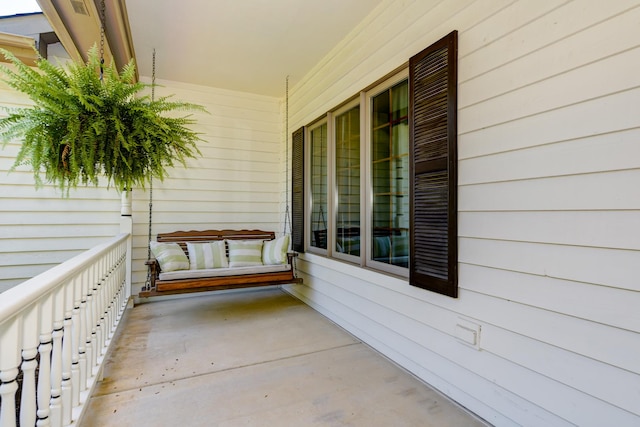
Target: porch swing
[210,260]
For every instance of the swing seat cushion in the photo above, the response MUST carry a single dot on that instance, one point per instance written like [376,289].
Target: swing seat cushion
[223,272]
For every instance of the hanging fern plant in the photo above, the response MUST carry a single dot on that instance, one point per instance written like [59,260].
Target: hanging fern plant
[82,127]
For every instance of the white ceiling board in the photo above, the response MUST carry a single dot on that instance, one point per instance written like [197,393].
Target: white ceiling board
[243,45]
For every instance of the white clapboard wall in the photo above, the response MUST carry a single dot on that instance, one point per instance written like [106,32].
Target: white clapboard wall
[42,228]
[549,209]
[237,183]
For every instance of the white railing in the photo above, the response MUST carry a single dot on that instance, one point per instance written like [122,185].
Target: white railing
[54,332]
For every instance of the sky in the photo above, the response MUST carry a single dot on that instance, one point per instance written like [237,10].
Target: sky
[12,7]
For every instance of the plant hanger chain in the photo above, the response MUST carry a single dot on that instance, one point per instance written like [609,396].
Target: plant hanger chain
[102,24]
[153,96]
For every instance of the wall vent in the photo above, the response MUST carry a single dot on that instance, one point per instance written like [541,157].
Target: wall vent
[79,7]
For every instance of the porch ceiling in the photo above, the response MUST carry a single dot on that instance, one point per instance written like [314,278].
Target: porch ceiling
[246,45]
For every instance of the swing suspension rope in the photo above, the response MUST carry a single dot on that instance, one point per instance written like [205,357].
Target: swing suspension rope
[147,285]
[287,219]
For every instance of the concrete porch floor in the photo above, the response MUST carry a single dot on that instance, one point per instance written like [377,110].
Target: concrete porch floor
[254,358]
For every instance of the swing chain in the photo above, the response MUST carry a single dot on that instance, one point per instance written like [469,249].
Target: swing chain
[287,215]
[147,284]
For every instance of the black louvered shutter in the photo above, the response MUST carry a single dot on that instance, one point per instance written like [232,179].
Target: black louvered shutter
[433,80]
[297,193]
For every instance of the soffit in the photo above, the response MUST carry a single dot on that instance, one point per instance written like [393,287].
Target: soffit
[78,25]
[243,45]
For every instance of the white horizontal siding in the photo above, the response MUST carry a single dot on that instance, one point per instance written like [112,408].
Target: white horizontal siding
[42,228]
[237,182]
[599,266]
[549,209]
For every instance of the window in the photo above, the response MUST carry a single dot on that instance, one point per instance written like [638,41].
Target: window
[389,135]
[347,181]
[386,197]
[319,185]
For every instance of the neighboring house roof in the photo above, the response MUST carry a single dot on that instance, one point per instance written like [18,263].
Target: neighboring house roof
[27,34]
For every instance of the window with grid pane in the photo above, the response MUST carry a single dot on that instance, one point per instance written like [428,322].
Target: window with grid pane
[390,175]
[318,174]
[347,179]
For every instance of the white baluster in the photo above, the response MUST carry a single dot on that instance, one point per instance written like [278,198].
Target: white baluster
[82,340]
[101,304]
[10,358]
[56,358]
[98,296]
[113,297]
[115,306]
[93,302]
[89,322]
[29,363]
[56,376]
[122,283]
[43,394]
[28,395]
[44,381]
[67,406]
[104,302]
[8,388]
[89,339]
[75,341]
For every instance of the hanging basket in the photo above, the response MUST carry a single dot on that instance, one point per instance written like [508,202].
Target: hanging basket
[82,127]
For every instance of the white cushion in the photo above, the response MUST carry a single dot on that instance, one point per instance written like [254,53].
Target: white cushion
[207,255]
[275,251]
[221,272]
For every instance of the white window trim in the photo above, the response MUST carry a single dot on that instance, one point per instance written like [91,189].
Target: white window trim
[364,100]
[333,200]
[308,192]
[368,173]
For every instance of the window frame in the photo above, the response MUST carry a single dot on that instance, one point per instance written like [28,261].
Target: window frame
[309,193]
[381,87]
[333,204]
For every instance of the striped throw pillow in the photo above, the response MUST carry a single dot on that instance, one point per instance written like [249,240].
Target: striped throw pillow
[170,256]
[244,253]
[207,255]
[275,251]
